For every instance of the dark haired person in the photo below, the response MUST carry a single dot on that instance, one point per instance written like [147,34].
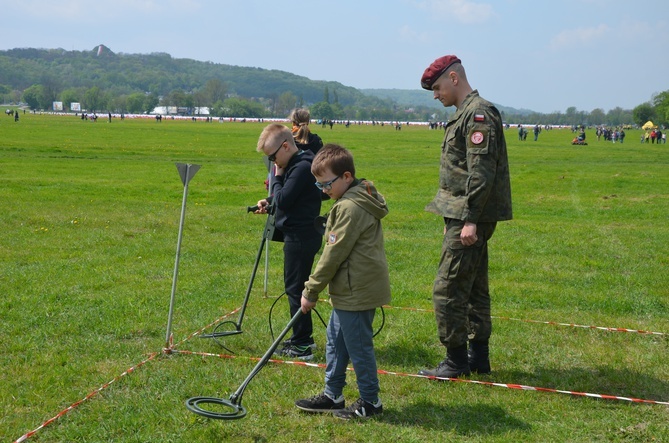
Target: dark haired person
[474,194]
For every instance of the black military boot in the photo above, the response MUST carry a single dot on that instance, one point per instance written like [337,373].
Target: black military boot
[454,365]
[479,357]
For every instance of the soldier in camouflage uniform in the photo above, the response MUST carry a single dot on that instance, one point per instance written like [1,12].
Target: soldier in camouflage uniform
[474,194]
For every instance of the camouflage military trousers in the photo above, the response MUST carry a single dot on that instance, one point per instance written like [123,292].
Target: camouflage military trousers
[460,295]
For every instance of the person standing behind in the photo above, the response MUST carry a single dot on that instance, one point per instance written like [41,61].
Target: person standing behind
[304,138]
[474,194]
[353,264]
[297,203]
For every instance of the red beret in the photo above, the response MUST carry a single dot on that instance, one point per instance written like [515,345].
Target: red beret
[434,71]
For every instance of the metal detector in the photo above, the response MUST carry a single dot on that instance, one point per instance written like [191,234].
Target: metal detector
[234,404]
[269,233]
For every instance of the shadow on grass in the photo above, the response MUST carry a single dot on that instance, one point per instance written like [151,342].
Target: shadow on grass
[602,380]
[474,420]
[407,355]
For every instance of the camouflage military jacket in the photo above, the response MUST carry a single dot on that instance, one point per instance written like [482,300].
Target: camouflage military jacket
[474,183]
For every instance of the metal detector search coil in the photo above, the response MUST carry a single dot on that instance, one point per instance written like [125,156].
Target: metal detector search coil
[236,410]
[235,402]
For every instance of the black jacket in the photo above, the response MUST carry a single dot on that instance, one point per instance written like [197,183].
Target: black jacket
[314,144]
[295,197]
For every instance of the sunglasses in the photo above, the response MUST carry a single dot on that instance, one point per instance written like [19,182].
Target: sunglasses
[272,157]
[327,185]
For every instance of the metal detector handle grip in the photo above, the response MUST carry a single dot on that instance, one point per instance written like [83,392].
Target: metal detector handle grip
[268,208]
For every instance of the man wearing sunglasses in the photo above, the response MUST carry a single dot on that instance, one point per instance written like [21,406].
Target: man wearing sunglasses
[297,203]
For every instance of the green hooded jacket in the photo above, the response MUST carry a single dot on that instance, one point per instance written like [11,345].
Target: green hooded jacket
[353,262]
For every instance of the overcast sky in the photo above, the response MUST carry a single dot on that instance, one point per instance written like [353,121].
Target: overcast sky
[533,54]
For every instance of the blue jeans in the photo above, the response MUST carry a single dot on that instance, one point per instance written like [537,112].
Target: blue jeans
[349,338]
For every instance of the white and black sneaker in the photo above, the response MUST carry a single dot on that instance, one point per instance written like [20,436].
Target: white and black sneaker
[292,351]
[321,403]
[288,343]
[360,409]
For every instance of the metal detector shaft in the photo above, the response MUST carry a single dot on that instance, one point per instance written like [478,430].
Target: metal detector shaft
[265,358]
[266,276]
[253,276]
[267,234]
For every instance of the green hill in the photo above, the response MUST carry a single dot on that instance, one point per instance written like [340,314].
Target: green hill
[103,79]
[156,73]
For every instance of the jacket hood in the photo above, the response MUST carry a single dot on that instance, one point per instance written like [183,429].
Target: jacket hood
[302,154]
[364,194]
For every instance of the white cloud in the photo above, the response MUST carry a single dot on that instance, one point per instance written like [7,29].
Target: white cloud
[577,38]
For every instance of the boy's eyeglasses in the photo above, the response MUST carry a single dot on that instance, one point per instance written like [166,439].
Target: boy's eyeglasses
[272,157]
[327,185]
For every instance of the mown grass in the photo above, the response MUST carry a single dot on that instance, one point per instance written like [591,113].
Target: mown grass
[87,247]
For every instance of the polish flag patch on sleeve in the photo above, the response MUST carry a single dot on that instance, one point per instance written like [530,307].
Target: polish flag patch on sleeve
[479,117]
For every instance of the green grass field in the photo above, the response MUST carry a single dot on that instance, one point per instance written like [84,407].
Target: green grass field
[87,248]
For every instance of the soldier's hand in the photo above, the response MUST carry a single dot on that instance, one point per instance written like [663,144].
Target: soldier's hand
[468,235]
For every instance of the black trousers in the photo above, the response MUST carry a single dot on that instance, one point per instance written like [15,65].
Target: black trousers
[299,250]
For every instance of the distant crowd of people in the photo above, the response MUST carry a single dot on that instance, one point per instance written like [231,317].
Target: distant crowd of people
[15,113]
[610,135]
[536,130]
[652,136]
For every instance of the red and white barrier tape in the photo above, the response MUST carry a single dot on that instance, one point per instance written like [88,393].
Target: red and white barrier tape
[88,397]
[461,380]
[201,330]
[172,349]
[573,325]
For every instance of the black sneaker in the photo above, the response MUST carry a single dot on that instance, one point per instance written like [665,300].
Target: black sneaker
[446,369]
[287,343]
[321,403]
[300,352]
[360,409]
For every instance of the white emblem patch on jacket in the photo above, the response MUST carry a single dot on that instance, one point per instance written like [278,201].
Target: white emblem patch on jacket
[332,238]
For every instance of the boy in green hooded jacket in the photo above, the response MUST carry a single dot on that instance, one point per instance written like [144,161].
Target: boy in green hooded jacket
[353,265]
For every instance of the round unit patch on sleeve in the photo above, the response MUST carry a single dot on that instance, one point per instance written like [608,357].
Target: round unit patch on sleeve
[477,137]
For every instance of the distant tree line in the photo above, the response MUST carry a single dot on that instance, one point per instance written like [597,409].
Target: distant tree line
[103,81]
[573,117]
